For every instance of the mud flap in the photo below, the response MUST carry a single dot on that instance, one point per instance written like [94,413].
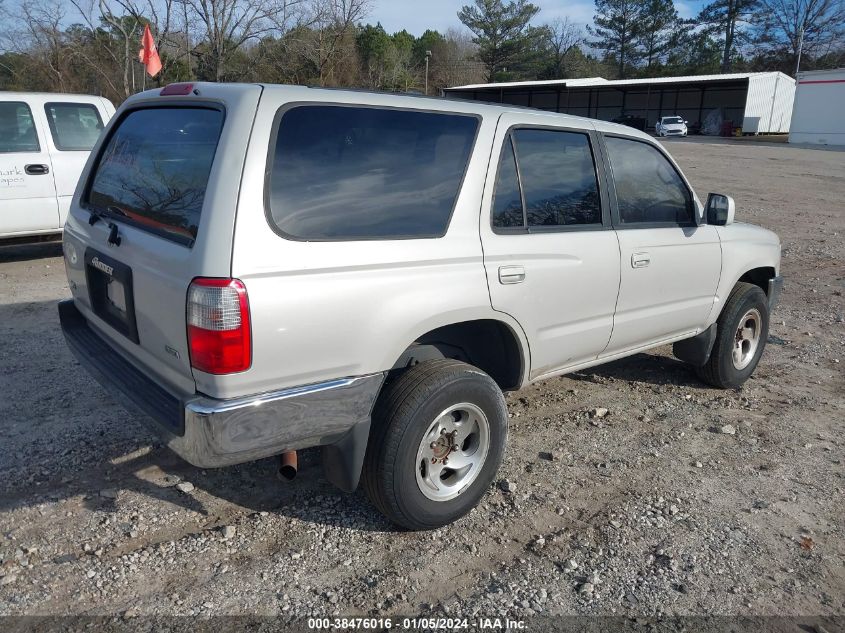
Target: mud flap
[343,460]
[696,350]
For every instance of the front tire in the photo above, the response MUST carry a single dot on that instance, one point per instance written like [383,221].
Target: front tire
[741,334]
[438,437]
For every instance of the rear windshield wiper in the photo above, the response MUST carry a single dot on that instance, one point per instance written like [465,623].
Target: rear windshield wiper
[104,214]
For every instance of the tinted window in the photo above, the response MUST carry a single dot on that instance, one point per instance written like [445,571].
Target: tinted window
[558,178]
[74,126]
[507,203]
[154,169]
[357,173]
[648,188]
[17,129]
[672,119]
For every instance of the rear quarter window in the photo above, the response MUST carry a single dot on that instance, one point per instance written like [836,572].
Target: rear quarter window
[154,169]
[356,173]
[74,126]
[17,128]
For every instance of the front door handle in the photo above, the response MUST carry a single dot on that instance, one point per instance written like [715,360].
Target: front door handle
[640,260]
[511,274]
[36,170]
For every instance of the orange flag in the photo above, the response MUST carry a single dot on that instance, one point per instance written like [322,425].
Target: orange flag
[148,55]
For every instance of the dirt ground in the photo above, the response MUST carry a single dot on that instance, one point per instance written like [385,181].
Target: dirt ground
[655,509]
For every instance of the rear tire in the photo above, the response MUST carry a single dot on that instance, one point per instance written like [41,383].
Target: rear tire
[438,436]
[741,333]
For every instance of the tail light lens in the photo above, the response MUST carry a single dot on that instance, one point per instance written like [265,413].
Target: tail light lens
[218,326]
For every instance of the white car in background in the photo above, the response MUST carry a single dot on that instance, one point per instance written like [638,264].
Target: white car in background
[45,139]
[671,126]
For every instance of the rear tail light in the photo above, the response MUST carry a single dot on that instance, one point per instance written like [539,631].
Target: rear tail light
[218,326]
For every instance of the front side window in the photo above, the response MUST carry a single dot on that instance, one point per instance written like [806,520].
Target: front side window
[352,173]
[558,181]
[154,170]
[17,129]
[74,126]
[649,189]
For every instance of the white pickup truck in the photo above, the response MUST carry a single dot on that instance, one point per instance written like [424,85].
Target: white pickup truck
[45,139]
[258,269]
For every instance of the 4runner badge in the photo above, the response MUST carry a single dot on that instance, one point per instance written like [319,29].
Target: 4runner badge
[96,263]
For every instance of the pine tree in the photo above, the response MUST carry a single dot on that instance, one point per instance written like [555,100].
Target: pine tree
[659,30]
[618,26]
[502,32]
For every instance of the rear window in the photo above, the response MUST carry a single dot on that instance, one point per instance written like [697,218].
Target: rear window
[350,173]
[74,126]
[17,129]
[153,172]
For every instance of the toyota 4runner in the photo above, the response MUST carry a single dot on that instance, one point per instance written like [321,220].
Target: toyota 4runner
[258,269]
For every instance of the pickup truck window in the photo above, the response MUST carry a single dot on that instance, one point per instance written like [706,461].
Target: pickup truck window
[17,129]
[558,181]
[74,126]
[356,173]
[154,170]
[649,189]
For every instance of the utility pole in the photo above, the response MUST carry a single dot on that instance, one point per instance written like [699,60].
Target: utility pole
[800,47]
[427,57]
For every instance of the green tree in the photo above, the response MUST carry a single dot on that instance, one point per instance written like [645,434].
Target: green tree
[659,30]
[695,53]
[502,32]
[617,29]
[730,19]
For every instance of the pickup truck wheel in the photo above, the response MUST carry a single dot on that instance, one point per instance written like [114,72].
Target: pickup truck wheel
[742,330]
[438,436]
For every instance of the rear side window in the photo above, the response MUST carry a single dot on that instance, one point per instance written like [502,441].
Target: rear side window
[507,200]
[557,176]
[17,129]
[351,173]
[74,126]
[649,189]
[153,171]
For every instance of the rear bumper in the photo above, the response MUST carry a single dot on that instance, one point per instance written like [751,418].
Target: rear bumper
[775,289]
[208,432]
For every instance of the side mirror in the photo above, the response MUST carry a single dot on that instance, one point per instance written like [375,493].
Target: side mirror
[720,209]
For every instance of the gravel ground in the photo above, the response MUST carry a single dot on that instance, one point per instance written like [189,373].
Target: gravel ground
[679,500]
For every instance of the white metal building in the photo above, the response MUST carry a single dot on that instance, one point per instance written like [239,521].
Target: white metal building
[819,113]
[756,102]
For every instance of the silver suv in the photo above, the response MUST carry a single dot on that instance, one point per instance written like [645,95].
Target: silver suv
[259,269]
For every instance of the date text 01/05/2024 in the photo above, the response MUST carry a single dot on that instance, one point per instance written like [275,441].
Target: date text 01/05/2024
[427,624]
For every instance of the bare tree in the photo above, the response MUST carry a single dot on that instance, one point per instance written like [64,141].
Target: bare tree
[330,23]
[814,26]
[227,25]
[561,37]
[39,34]
[454,61]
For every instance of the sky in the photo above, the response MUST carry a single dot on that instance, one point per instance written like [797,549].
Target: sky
[416,16]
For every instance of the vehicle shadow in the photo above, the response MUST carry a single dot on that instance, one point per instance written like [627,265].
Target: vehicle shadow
[36,250]
[654,369]
[62,437]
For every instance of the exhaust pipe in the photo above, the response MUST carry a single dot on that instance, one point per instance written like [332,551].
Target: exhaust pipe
[288,465]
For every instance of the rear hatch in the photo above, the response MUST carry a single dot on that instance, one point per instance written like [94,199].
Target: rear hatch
[155,208]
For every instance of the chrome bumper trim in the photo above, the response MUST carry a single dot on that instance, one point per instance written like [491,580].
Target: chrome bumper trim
[208,432]
[224,432]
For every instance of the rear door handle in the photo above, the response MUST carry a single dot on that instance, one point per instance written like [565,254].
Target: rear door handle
[640,260]
[36,170]
[511,274]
